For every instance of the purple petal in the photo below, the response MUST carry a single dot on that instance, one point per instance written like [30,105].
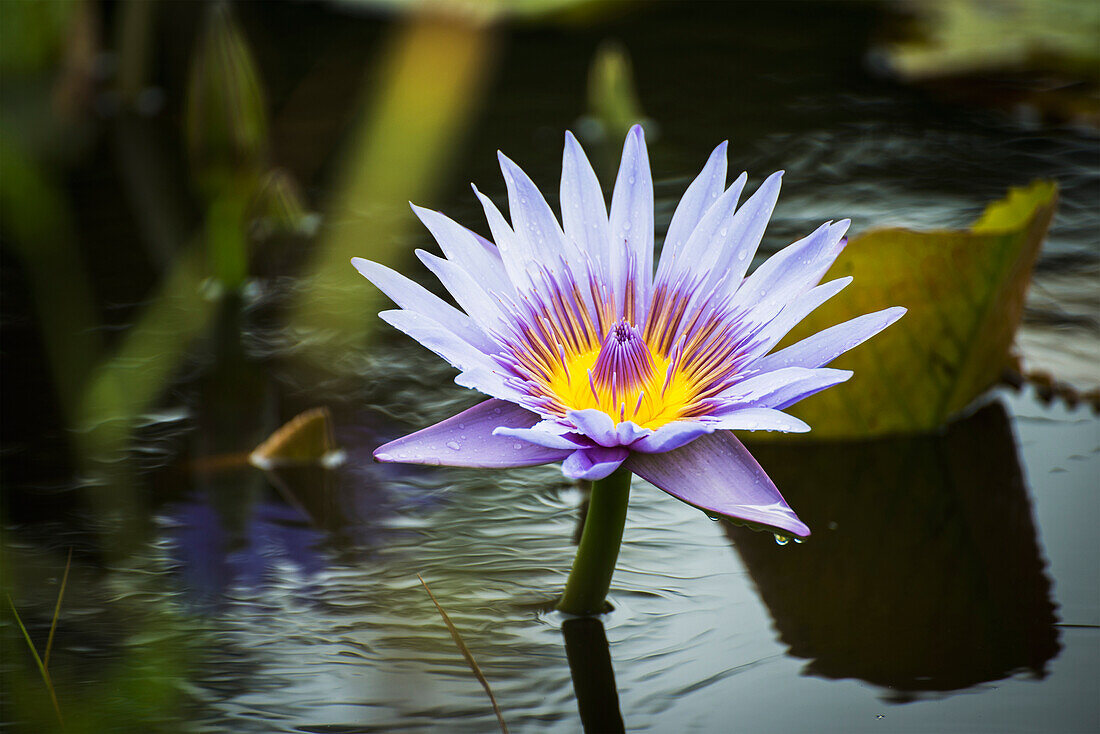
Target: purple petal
[467,291]
[467,440]
[594,463]
[790,272]
[788,316]
[583,212]
[595,424]
[412,296]
[461,246]
[785,386]
[671,436]
[628,432]
[439,339]
[539,437]
[700,195]
[717,474]
[743,233]
[705,242]
[532,218]
[514,252]
[631,222]
[825,346]
[759,419]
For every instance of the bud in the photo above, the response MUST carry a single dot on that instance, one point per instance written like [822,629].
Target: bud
[226,118]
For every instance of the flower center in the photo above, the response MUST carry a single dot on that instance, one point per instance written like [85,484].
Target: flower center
[624,364]
[623,378]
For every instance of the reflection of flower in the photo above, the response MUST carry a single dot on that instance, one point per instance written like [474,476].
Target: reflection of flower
[592,360]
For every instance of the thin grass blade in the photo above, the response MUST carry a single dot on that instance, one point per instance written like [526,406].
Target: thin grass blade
[57,611]
[466,654]
[42,668]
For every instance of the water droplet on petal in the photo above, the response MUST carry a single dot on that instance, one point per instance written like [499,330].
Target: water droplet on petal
[781,539]
[626,226]
[630,180]
[724,231]
[517,446]
[453,446]
[741,255]
[461,426]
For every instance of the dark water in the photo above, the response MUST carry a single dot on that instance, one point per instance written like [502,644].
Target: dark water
[950,584]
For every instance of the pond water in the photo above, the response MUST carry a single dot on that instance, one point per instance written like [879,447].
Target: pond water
[950,583]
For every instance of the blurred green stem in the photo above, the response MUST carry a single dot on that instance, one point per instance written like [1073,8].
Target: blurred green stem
[226,239]
[599,547]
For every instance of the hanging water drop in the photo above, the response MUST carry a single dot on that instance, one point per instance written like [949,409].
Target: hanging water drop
[781,539]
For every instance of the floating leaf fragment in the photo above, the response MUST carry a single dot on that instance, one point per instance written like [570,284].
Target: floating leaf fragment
[305,439]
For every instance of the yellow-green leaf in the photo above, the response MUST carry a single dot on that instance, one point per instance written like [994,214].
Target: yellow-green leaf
[965,293]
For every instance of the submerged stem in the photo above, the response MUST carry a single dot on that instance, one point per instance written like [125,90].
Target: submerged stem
[599,547]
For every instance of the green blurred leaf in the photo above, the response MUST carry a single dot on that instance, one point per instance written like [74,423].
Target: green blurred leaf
[965,293]
[972,36]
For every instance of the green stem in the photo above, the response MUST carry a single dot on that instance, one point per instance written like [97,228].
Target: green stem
[599,547]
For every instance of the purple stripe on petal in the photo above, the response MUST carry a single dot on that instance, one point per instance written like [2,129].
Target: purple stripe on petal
[467,440]
[671,436]
[592,464]
[717,474]
[825,346]
[595,424]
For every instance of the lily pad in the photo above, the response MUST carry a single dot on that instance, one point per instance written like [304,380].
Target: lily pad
[965,293]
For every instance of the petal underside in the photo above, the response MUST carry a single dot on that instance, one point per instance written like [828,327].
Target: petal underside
[467,439]
[717,474]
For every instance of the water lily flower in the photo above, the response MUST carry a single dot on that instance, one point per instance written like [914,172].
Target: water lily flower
[592,357]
